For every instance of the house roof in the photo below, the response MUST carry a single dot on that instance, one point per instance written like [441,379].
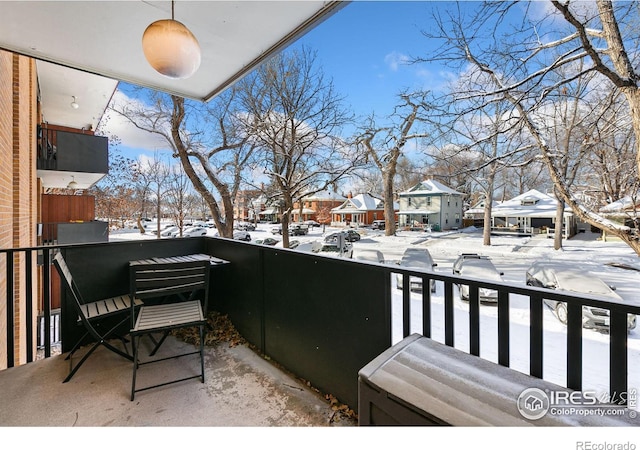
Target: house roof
[430,187]
[532,203]
[325,195]
[622,205]
[360,203]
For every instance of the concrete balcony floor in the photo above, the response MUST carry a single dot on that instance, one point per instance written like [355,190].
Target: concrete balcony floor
[240,389]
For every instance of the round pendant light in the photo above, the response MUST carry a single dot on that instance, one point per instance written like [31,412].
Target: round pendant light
[171,49]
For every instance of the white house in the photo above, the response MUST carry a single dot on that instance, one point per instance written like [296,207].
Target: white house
[431,203]
[530,213]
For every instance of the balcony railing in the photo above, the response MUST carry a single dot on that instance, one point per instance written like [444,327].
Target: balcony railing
[77,232]
[322,318]
[72,152]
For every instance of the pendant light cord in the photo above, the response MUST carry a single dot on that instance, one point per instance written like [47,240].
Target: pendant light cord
[172,6]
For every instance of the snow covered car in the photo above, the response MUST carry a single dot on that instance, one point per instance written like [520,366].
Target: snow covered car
[190,232]
[553,275]
[349,236]
[242,236]
[416,258]
[368,255]
[333,249]
[457,264]
[267,241]
[482,268]
[167,232]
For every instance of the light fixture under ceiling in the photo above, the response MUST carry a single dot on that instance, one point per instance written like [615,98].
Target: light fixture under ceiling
[171,48]
[72,184]
[74,104]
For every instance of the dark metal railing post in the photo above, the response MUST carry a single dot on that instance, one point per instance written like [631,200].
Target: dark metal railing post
[10,312]
[46,298]
[535,335]
[448,314]
[426,307]
[574,345]
[29,303]
[474,320]
[406,305]
[618,357]
[503,328]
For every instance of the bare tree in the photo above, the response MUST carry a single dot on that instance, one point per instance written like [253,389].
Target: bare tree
[178,197]
[384,145]
[523,63]
[207,139]
[294,116]
[114,194]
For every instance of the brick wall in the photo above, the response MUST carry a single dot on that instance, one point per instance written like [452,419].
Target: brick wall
[18,185]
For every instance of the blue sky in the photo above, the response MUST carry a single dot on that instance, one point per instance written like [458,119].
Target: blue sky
[363,48]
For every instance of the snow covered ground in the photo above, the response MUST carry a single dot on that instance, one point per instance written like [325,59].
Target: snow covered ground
[511,255]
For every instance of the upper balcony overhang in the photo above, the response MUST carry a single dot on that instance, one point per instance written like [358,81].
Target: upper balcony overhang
[104,37]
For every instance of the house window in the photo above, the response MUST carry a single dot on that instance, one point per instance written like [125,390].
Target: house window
[448,201]
[428,201]
[457,218]
[409,201]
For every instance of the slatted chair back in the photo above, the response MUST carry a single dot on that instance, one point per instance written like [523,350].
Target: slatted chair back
[92,316]
[67,278]
[150,279]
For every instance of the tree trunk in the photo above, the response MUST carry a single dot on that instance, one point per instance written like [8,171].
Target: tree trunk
[488,203]
[559,226]
[389,211]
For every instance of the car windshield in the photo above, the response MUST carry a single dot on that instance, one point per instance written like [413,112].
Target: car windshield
[480,268]
[577,282]
[416,260]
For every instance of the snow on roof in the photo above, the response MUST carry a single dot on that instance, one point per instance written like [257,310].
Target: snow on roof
[325,195]
[361,202]
[430,187]
[532,203]
[624,204]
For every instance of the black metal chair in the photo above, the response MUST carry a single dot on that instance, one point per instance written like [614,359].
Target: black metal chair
[172,283]
[94,317]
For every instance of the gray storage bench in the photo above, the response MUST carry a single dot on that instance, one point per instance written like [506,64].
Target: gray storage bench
[423,382]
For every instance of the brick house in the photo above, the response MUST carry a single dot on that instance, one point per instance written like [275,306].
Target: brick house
[362,209]
[316,207]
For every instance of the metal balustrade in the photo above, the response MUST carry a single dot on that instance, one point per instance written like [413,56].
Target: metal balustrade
[266,303]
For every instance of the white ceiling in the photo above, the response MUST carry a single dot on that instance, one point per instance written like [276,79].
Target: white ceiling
[103,38]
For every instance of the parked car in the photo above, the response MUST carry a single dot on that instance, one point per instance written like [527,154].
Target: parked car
[311,223]
[457,264]
[333,248]
[418,258]
[242,236]
[298,230]
[551,275]
[378,224]
[267,241]
[167,232]
[190,232]
[368,255]
[276,229]
[244,226]
[349,236]
[479,267]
